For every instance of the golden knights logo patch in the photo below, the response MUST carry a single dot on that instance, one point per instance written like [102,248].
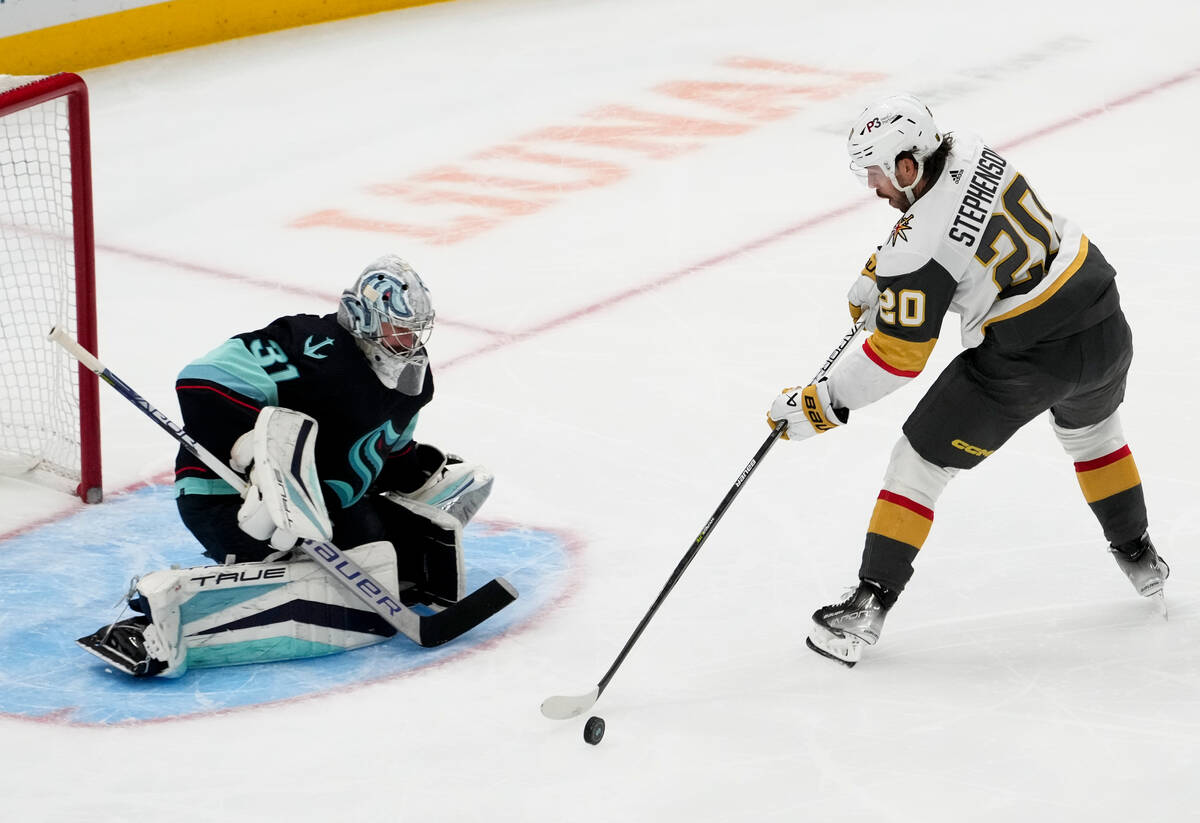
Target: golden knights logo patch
[901,229]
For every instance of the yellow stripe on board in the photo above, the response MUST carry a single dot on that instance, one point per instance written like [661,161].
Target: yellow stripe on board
[164,27]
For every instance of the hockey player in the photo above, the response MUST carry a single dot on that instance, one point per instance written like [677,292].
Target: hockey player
[1042,329]
[334,399]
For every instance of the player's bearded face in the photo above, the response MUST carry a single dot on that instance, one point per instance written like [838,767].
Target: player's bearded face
[883,188]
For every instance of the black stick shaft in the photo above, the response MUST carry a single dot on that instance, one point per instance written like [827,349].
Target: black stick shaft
[694,550]
[778,431]
[165,423]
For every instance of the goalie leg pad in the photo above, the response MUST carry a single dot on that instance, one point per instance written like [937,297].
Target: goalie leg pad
[429,543]
[253,613]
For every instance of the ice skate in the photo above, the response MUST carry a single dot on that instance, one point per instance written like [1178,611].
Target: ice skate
[1144,567]
[123,644]
[841,630]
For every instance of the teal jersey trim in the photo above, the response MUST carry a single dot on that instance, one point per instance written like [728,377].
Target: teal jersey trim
[406,436]
[197,485]
[201,605]
[232,365]
[258,651]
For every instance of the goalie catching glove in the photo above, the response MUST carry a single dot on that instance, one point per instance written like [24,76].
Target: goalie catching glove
[428,475]
[807,410]
[283,502]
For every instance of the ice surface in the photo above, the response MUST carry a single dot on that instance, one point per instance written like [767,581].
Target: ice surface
[618,307]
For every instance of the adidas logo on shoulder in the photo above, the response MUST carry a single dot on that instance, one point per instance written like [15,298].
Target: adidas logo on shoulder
[956,175]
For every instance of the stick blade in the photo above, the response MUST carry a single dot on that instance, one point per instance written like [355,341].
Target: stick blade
[564,707]
[466,614]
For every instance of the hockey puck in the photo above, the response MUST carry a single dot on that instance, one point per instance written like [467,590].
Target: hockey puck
[593,730]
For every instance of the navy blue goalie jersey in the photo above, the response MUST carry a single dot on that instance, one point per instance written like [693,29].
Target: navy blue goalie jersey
[309,364]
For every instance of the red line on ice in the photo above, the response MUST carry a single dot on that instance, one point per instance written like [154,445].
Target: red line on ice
[502,340]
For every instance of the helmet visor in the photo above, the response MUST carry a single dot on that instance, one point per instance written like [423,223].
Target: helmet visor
[871,176]
[859,172]
[404,341]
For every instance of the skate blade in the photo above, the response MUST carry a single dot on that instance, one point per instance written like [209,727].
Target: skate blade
[1154,591]
[845,649]
[111,657]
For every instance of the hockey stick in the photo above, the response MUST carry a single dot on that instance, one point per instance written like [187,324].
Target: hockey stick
[564,707]
[425,630]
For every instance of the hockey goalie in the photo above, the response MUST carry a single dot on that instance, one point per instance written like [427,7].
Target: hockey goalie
[317,413]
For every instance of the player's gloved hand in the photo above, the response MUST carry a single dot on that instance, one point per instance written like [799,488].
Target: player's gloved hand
[864,299]
[864,295]
[255,517]
[807,410]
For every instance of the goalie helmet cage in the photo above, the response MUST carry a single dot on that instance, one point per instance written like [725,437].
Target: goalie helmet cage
[49,405]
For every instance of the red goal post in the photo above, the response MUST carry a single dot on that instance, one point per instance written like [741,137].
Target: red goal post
[49,405]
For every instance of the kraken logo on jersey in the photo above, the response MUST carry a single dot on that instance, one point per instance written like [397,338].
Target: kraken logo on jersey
[901,229]
[366,460]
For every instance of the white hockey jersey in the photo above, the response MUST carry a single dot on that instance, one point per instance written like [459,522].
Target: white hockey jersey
[981,244]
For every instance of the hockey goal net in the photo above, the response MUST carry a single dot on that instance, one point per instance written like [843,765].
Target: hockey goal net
[49,409]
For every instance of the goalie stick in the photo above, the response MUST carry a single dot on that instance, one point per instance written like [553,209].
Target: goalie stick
[564,707]
[424,630]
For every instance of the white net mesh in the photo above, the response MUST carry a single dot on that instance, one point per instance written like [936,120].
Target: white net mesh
[39,407]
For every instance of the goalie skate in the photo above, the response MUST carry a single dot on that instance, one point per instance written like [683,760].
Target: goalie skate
[841,630]
[123,645]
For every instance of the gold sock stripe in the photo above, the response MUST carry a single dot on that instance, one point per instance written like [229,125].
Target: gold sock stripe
[1108,475]
[899,518]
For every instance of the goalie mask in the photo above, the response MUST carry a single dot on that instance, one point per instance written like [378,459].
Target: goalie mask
[889,128]
[390,313]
